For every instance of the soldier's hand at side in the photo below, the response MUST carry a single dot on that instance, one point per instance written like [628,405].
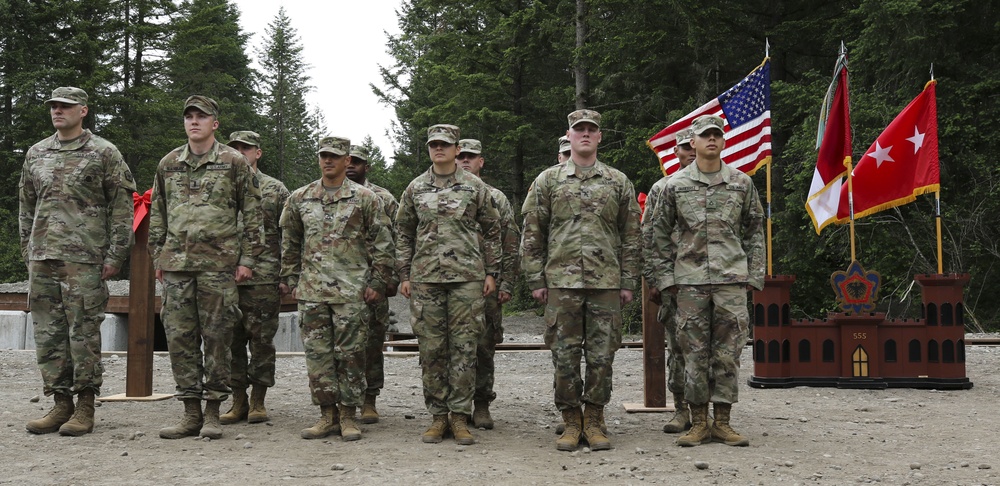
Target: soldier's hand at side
[108,271]
[159,276]
[541,295]
[391,290]
[626,296]
[654,296]
[371,296]
[672,289]
[404,288]
[283,290]
[503,297]
[489,285]
[243,274]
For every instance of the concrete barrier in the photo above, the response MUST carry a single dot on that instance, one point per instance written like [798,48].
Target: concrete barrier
[12,330]
[114,332]
[288,337]
[29,332]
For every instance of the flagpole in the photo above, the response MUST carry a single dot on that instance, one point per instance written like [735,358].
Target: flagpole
[850,200]
[770,270]
[937,216]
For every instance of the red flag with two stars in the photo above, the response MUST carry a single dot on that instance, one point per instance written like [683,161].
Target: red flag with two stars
[902,163]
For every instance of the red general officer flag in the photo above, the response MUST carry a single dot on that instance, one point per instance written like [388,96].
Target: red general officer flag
[902,163]
[833,139]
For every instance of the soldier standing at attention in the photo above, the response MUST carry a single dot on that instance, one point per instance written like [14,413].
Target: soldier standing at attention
[378,315]
[448,258]
[199,254]
[580,254]
[681,420]
[75,216]
[564,149]
[708,250]
[470,158]
[260,298]
[336,257]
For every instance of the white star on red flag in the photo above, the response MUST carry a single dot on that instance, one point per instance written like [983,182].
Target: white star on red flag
[917,139]
[880,154]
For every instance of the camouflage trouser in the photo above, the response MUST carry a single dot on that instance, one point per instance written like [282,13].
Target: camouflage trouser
[200,307]
[675,359]
[334,337]
[588,323]
[260,305]
[378,321]
[67,306]
[487,348]
[712,322]
[448,321]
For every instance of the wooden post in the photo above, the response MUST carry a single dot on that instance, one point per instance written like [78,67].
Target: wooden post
[653,360]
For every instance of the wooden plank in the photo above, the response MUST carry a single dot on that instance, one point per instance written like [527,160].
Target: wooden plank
[142,307]
[654,378]
[631,407]
[124,397]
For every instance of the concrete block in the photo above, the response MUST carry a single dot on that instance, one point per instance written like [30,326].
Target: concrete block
[29,332]
[288,337]
[114,332]
[12,329]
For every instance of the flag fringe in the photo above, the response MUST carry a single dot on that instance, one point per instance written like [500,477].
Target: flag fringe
[919,191]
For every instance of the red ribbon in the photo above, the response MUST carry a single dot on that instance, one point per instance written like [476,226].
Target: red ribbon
[642,203]
[141,206]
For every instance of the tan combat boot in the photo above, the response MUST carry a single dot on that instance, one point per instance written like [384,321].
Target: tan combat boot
[55,417]
[721,431]
[592,428]
[572,428]
[211,428]
[682,416]
[369,415]
[699,433]
[329,423]
[238,411]
[349,429]
[257,412]
[190,424]
[481,415]
[460,428]
[82,421]
[435,433]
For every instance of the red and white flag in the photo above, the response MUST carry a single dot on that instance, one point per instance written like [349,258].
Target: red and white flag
[746,108]
[833,140]
[902,163]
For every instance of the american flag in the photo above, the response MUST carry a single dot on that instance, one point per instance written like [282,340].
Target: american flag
[746,108]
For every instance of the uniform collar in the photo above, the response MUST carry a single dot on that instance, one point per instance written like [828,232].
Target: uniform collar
[722,177]
[210,157]
[461,176]
[347,190]
[569,169]
[77,143]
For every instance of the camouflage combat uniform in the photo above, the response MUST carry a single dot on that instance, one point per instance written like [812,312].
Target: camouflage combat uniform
[448,235]
[334,245]
[708,238]
[378,315]
[194,239]
[510,236]
[581,242]
[668,302]
[75,215]
[259,299]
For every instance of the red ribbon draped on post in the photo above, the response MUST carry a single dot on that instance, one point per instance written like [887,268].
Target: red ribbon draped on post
[141,206]
[642,202]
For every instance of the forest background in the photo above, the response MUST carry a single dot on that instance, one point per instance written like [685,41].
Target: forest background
[508,71]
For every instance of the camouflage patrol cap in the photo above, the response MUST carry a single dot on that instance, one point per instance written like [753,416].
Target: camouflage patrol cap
[334,145]
[563,144]
[245,136]
[707,122]
[684,136]
[470,145]
[444,133]
[204,104]
[580,116]
[359,152]
[68,94]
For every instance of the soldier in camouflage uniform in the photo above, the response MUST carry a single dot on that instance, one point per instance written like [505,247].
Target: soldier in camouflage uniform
[378,315]
[471,159]
[75,212]
[200,254]
[336,257]
[448,235]
[564,149]
[260,298]
[681,420]
[580,254]
[707,249]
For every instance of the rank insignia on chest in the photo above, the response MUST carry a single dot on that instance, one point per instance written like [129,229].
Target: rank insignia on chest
[195,185]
